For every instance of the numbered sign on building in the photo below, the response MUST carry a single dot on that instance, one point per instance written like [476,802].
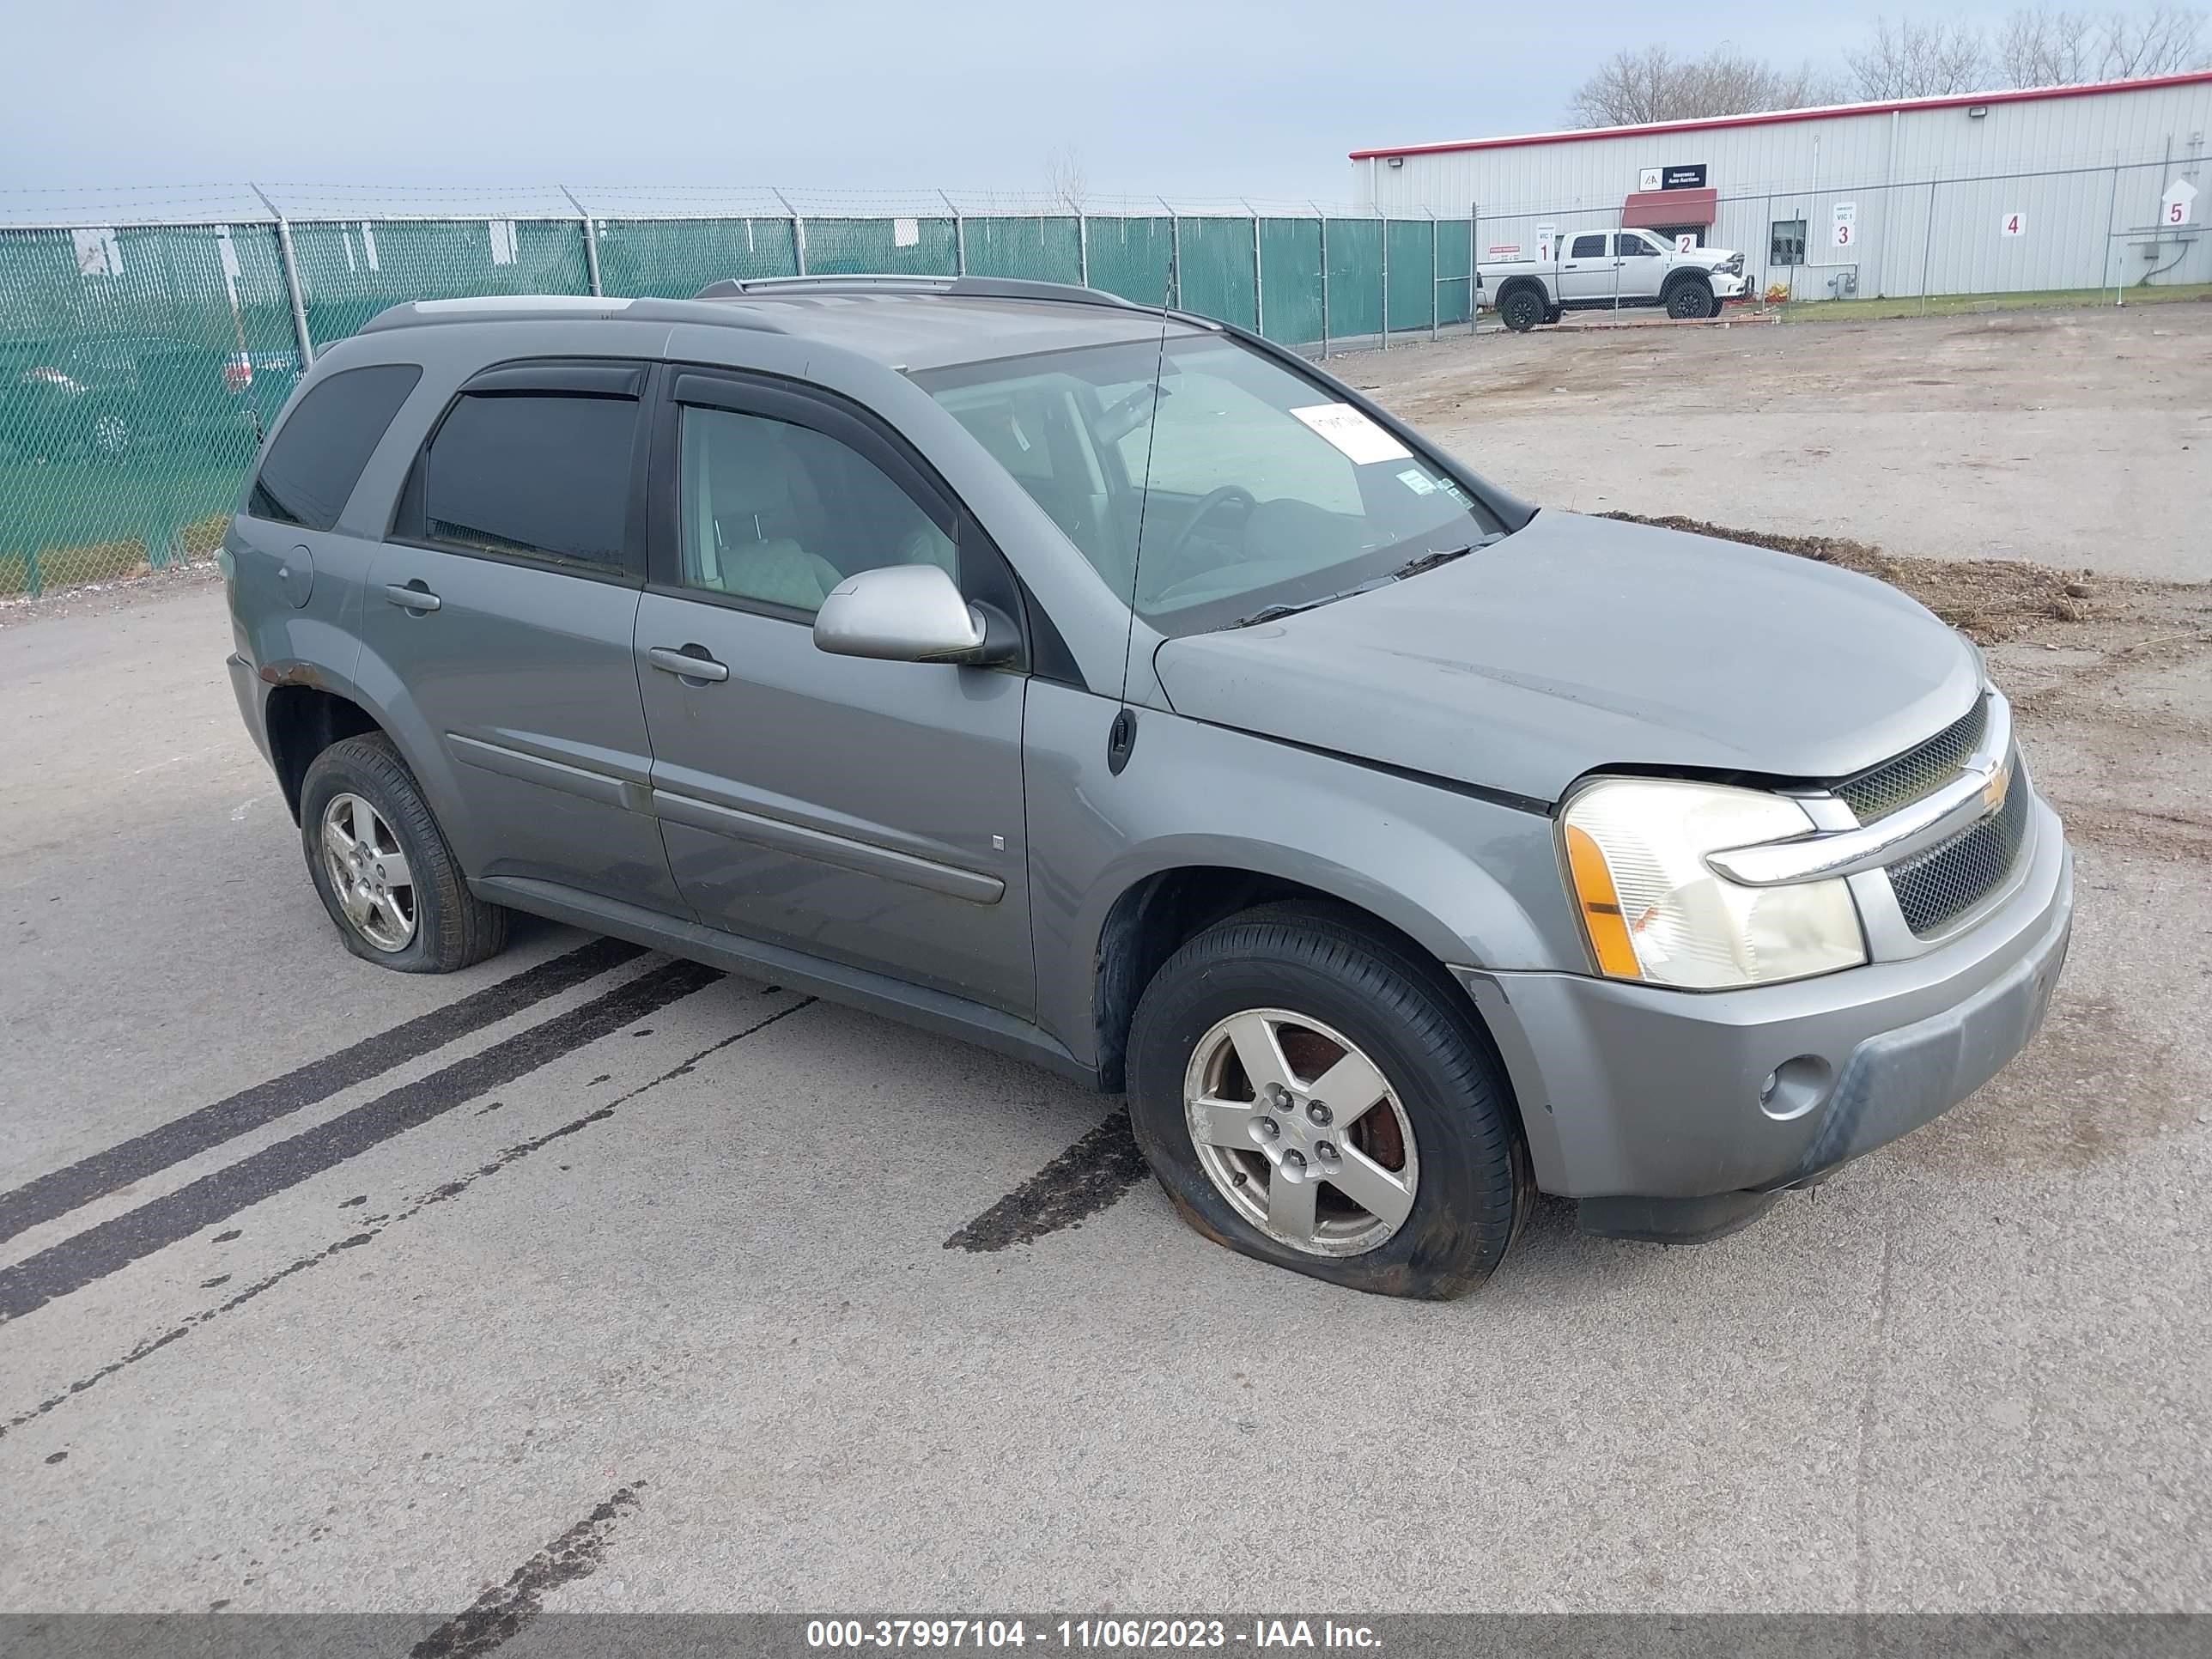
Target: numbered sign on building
[1686,242]
[2179,205]
[2015,224]
[1845,231]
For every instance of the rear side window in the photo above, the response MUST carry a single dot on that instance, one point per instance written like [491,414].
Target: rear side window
[317,454]
[1588,247]
[540,475]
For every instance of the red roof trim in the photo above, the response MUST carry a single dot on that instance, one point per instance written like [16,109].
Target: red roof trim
[1769,117]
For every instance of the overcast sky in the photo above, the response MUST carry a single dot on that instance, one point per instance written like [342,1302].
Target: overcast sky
[1190,97]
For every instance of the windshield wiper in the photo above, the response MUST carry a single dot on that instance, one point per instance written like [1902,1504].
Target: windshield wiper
[1268,613]
[1428,560]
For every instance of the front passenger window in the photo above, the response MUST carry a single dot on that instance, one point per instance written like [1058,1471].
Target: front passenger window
[779,514]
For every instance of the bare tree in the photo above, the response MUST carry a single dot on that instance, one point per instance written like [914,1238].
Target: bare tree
[1634,88]
[2056,47]
[2046,48]
[2161,41]
[1907,59]
[1066,179]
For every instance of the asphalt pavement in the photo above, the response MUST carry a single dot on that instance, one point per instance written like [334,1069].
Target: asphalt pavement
[326,1288]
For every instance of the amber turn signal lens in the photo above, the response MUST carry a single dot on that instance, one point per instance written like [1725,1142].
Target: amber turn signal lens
[1606,928]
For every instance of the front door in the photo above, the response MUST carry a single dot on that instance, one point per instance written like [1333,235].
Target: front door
[1641,266]
[869,813]
[498,622]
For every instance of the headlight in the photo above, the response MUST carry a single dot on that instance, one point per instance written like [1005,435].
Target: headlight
[1652,909]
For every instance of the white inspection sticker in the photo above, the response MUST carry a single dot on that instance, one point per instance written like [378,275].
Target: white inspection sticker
[1353,433]
[1416,481]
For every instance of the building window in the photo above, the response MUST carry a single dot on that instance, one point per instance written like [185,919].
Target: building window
[1786,244]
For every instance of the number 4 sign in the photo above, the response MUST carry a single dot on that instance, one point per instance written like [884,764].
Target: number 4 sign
[2015,224]
[2179,204]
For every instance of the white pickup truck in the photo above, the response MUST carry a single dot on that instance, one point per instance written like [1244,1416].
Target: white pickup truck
[1601,269]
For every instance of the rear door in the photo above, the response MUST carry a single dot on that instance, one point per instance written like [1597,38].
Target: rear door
[499,612]
[1586,269]
[870,812]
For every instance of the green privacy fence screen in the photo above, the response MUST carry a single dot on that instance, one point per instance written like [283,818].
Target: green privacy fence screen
[140,365]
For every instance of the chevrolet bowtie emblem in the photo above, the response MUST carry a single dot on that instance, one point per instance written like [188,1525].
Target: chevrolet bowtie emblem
[1993,791]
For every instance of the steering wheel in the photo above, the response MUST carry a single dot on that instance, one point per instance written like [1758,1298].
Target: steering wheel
[1207,504]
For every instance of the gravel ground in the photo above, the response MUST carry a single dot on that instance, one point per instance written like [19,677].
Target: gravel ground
[2076,437]
[367,1292]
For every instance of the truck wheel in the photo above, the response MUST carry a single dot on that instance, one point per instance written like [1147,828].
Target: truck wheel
[1691,298]
[382,867]
[1320,1097]
[1522,310]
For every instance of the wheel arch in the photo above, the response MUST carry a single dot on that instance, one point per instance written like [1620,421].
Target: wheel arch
[1513,285]
[305,715]
[1155,910]
[309,708]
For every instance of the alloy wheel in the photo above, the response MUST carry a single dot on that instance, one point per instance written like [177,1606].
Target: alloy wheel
[1300,1131]
[368,873]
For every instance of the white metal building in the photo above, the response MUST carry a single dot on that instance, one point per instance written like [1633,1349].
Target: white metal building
[2062,187]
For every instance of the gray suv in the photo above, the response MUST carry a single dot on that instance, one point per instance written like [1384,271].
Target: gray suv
[1112,687]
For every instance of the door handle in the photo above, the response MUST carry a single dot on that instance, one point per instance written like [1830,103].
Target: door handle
[413,596]
[691,663]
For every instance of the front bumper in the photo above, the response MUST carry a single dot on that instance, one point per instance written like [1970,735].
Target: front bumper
[1634,1089]
[1727,287]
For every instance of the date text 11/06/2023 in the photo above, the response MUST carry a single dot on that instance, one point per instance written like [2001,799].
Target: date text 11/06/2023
[1089,1634]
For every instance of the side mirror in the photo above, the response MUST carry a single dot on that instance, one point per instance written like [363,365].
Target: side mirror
[911,613]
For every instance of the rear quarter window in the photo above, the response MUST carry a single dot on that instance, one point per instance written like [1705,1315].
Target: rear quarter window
[317,454]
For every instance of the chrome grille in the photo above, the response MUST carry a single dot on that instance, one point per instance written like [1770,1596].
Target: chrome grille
[1950,878]
[1920,770]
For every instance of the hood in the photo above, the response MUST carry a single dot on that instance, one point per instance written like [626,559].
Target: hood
[1577,644]
[1708,256]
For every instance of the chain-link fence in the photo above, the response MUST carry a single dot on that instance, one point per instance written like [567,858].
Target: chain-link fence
[143,357]
[2106,228]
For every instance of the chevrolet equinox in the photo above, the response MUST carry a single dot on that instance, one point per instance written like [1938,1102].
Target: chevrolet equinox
[1113,687]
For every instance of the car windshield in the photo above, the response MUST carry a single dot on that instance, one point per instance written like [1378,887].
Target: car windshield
[1267,491]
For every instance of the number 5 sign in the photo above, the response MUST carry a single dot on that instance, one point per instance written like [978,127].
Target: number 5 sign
[2015,224]
[2179,203]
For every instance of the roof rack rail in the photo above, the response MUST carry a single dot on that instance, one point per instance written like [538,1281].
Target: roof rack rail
[956,287]
[538,307]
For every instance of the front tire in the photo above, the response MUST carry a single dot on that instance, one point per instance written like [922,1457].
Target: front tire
[1691,300]
[382,868]
[1411,1182]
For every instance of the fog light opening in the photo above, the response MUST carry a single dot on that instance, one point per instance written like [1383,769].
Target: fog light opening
[1794,1088]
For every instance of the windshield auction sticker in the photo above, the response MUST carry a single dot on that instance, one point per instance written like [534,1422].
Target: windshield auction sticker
[1352,433]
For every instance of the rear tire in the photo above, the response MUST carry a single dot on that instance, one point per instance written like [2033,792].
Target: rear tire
[1522,309]
[1418,1194]
[381,867]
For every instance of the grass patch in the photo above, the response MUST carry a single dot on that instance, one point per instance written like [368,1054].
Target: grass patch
[1961,304]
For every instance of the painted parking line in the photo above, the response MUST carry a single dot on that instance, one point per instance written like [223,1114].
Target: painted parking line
[1080,1183]
[79,1183]
[441,1195]
[91,1255]
[500,1614]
